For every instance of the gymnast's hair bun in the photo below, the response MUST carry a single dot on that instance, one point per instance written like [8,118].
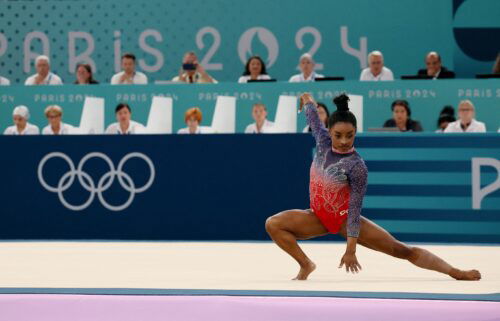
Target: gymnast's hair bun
[341,102]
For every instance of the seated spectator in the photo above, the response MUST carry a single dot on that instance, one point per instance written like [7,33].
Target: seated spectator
[56,126]
[4,81]
[84,75]
[496,67]
[43,75]
[446,116]
[193,72]
[255,69]
[466,122]
[323,114]
[124,124]
[128,75]
[192,118]
[261,125]
[21,114]
[376,70]
[401,117]
[306,65]
[434,68]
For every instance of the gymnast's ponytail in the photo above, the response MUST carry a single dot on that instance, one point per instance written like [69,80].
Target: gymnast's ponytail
[342,114]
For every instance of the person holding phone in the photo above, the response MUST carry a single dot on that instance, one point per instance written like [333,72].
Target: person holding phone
[193,72]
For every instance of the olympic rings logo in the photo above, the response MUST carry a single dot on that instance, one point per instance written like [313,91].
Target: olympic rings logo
[104,183]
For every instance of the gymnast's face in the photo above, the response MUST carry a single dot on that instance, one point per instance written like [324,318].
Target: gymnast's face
[342,134]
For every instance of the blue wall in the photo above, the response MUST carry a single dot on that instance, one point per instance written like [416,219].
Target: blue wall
[223,187]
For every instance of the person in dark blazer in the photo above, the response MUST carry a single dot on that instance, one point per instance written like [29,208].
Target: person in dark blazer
[434,69]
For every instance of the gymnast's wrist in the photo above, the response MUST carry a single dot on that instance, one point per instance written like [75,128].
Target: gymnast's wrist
[351,245]
[349,251]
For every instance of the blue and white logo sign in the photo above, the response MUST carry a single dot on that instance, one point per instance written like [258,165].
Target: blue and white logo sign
[88,183]
[266,37]
[478,192]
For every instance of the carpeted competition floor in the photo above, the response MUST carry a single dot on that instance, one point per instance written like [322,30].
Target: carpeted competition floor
[193,280]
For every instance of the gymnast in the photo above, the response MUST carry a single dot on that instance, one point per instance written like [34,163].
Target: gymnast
[338,180]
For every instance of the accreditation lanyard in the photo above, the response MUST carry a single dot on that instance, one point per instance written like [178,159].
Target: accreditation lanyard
[313,76]
[49,78]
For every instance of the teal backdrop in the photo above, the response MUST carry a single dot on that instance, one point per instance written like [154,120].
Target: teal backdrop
[224,33]
[426,99]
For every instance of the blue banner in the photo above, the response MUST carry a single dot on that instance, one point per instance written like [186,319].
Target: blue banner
[222,187]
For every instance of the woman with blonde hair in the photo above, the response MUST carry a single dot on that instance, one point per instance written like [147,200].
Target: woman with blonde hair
[56,126]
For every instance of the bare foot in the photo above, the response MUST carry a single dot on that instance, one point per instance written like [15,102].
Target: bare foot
[305,271]
[471,275]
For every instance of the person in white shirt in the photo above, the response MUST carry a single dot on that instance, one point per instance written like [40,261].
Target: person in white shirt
[128,75]
[124,124]
[193,118]
[376,70]
[466,122]
[20,115]
[261,125]
[43,75]
[306,65]
[56,126]
[4,81]
[192,72]
[255,69]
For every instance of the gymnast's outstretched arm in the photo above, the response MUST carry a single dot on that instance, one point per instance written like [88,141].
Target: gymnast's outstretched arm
[358,179]
[320,133]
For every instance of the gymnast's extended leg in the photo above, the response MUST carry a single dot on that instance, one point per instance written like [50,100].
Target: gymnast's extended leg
[376,238]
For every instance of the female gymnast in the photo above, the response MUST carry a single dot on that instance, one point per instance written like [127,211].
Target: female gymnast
[337,187]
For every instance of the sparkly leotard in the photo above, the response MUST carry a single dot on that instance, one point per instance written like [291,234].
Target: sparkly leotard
[338,181]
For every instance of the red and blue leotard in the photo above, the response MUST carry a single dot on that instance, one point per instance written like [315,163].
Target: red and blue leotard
[338,181]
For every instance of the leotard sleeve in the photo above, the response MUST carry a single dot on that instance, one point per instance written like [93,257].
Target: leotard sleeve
[320,133]
[358,179]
